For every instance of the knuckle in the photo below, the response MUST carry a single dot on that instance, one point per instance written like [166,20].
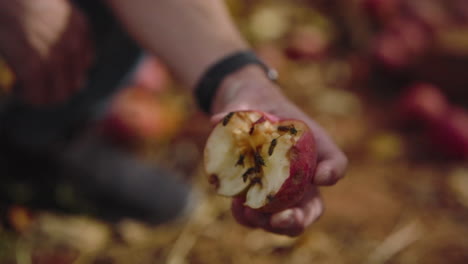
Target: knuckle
[333,177]
[342,167]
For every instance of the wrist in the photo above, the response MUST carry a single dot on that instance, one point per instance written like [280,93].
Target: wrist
[247,88]
[233,67]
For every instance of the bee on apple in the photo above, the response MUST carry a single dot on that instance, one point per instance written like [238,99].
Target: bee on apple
[227,118]
[272,146]
[291,129]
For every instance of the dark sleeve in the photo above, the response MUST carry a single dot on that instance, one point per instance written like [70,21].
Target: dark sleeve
[116,54]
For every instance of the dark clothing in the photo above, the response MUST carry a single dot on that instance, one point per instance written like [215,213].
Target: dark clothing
[116,54]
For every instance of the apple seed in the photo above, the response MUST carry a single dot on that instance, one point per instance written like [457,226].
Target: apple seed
[291,129]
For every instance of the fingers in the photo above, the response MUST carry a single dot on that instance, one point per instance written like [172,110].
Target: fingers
[294,221]
[291,222]
[332,162]
[247,216]
[309,209]
[331,168]
[239,212]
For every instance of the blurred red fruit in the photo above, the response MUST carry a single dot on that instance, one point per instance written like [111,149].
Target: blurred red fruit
[381,10]
[138,115]
[360,70]
[422,103]
[450,134]
[390,53]
[7,77]
[271,55]
[152,74]
[400,44]
[20,218]
[306,43]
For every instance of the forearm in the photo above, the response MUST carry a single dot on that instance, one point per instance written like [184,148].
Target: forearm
[189,35]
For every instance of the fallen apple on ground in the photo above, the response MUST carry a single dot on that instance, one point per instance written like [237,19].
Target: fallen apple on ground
[401,44]
[306,43]
[450,134]
[152,74]
[422,103]
[138,115]
[258,157]
[381,10]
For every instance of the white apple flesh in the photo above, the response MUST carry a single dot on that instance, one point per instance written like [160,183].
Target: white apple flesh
[267,161]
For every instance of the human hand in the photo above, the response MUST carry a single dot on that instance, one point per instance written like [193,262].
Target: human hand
[248,89]
[46,44]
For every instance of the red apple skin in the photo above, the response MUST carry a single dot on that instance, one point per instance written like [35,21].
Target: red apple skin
[238,211]
[450,134]
[381,10]
[303,157]
[303,160]
[137,115]
[360,67]
[306,44]
[422,103]
[152,74]
[117,130]
[401,44]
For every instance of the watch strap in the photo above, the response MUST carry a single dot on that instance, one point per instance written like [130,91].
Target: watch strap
[206,88]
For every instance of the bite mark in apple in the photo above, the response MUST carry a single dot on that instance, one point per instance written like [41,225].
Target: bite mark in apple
[267,161]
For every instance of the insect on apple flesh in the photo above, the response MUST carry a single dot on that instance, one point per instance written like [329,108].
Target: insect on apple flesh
[267,161]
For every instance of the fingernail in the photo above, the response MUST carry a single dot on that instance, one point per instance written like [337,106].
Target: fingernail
[284,219]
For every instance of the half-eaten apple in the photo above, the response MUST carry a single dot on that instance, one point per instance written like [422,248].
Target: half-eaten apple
[267,161]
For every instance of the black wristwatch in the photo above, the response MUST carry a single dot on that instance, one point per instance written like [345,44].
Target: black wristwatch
[210,81]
